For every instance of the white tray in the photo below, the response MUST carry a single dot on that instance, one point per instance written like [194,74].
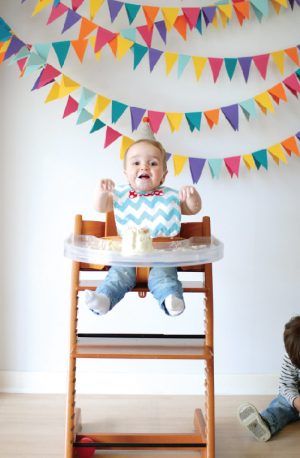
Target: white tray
[187,252]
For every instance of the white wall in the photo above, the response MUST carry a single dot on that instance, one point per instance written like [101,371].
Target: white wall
[49,168]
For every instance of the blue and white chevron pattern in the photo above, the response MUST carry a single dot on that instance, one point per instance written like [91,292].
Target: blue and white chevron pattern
[160,214]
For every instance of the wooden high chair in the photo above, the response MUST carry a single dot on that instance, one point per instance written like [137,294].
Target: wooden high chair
[153,346]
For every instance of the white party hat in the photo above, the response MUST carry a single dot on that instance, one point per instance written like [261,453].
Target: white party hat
[145,132]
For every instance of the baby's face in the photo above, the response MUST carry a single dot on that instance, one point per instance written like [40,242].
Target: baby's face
[144,167]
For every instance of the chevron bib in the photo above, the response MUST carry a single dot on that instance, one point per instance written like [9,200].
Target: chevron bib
[158,210]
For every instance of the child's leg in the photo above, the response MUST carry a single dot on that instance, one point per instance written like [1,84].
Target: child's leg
[163,283]
[279,413]
[116,284]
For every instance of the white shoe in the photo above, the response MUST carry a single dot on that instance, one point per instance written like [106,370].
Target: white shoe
[97,303]
[174,305]
[251,419]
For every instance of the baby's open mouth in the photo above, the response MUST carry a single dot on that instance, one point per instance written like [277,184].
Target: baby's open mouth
[144,176]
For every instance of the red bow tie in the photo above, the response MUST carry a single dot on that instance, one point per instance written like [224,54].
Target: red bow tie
[157,192]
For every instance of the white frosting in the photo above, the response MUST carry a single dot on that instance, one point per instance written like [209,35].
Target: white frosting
[136,241]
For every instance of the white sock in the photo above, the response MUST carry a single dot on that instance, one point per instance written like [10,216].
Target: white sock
[97,303]
[174,305]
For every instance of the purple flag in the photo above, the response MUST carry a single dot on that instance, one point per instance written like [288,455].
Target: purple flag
[196,167]
[245,63]
[114,8]
[168,155]
[209,14]
[136,117]
[14,46]
[298,135]
[154,55]
[162,30]
[71,19]
[231,113]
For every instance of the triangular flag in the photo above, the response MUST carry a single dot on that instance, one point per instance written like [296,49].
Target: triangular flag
[249,108]
[230,65]
[261,6]
[215,65]
[95,5]
[233,165]
[132,10]
[67,86]
[249,161]
[215,166]
[150,13]
[84,116]
[292,83]
[194,120]
[61,49]
[56,12]
[278,57]
[225,13]
[23,53]
[71,19]
[48,74]
[41,4]
[79,47]
[242,10]
[100,105]
[86,27]
[209,14]
[34,60]
[261,63]
[146,34]
[277,153]
[114,7]
[138,53]
[103,37]
[136,117]
[277,93]
[14,47]
[181,26]
[231,113]
[212,117]
[113,44]
[76,4]
[123,46]
[260,159]
[117,109]
[170,59]
[5,32]
[191,15]
[290,145]
[53,93]
[293,54]
[110,136]
[92,42]
[71,107]
[129,33]
[98,124]
[170,15]
[199,64]
[43,49]
[196,168]
[154,56]
[245,63]
[155,120]
[179,163]
[126,142]
[162,30]
[183,60]
[174,120]
[277,4]
[85,98]
[264,102]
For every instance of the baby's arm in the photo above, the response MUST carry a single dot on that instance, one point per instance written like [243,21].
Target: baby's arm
[297,403]
[103,201]
[190,200]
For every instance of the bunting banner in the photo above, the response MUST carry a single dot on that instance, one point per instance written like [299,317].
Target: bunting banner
[164,19]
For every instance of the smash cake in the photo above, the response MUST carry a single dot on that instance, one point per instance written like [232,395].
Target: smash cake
[136,241]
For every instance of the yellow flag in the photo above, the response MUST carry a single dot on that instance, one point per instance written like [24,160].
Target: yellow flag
[277,153]
[170,59]
[179,162]
[4,46]
[53,93]
[174,120]
[95,5]
[265,102]
[126,142]
[199,64]
[225,10]
[100,105]
[215,21]
[92,41]
[278,57]
[281,3]
[170,15]
[41,4]
[67,86]
[249,161]
[123,46]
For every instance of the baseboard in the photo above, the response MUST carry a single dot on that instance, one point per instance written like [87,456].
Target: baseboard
[156,384]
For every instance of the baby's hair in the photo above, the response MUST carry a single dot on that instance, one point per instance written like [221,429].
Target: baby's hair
[291,337]
[155,143]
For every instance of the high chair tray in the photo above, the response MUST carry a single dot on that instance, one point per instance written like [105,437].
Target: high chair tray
[186,252]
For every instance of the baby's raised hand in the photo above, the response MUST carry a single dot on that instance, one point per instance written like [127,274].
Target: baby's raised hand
[107,185]
[186,192]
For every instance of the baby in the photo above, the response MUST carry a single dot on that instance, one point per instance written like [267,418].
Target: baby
[145,203]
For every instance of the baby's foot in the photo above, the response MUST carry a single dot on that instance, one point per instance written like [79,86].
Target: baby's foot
[97,303]
[174,305]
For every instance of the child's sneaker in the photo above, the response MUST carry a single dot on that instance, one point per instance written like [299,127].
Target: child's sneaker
[251,419]
[97,303]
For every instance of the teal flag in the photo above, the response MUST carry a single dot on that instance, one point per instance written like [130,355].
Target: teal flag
[215,166]
[97,126]
[138,53]
[230,65]
[132,10]
[260,158]
[84,116]
[183,60]
[61,49]
[117,109]
[194,120]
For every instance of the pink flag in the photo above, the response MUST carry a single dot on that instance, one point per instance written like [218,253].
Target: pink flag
[110,136]
[155,119]
[215,65]
[103,37]
[56,12]
[146,34]
[292,83]
[233,164]
[70,107]
[261,63]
